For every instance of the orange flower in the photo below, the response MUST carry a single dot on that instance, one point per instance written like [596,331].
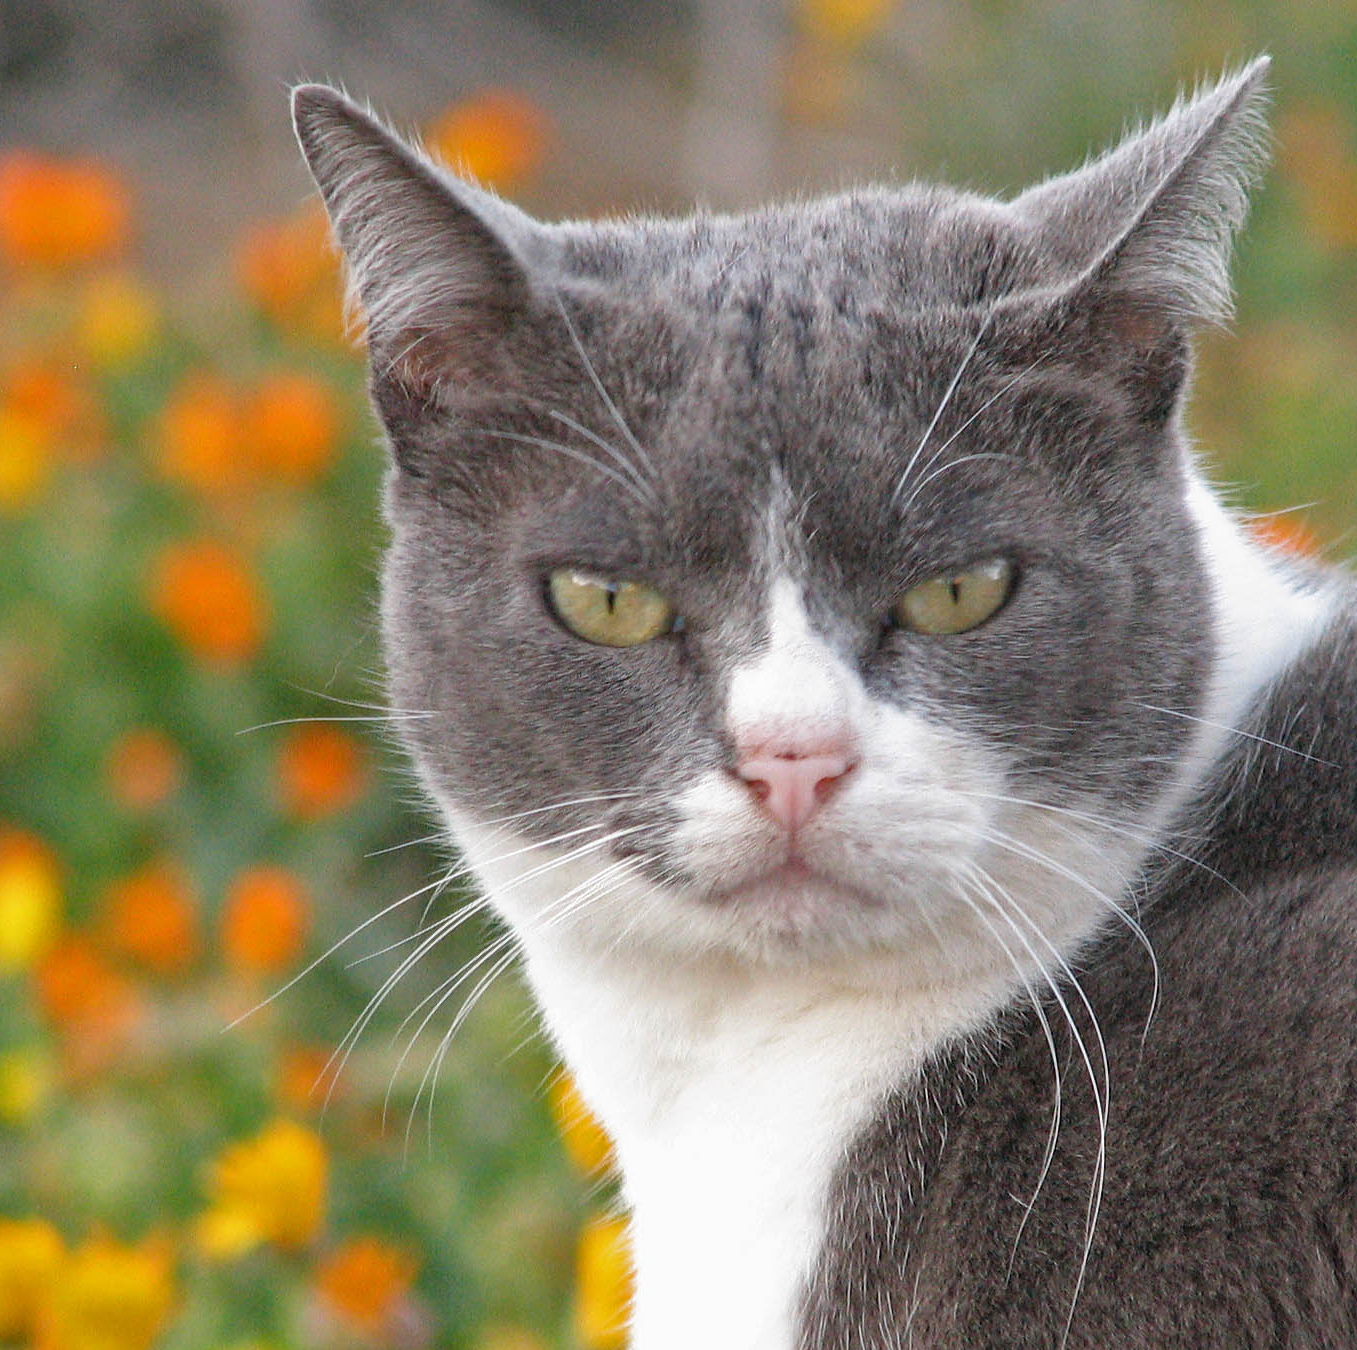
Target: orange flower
[209,600]
[151,917]
[143,769]
[267,1189]
[290,271]
[94,1007]
[1286,534]
[49,394]
[363,1283]
[603,1284]
[305,1078]
[55,213]
[30,900]
[201,441]
[265,920]
[291,427]
[31,1253]
[320,770]
[586,1141]
[109,1296]
[497,137]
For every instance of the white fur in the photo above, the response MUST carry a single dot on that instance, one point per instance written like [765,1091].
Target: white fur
[734,1059]
[1264,620]
[798,691]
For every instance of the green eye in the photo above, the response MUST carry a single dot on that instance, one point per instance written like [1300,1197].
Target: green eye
[610,613]
[956,601]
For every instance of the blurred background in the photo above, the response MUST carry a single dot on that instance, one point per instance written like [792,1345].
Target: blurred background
[200,804]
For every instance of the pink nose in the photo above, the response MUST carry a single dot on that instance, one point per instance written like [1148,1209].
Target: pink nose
[791,787]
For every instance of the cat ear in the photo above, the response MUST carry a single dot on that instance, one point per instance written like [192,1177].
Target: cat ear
[436,265]
[1153,220]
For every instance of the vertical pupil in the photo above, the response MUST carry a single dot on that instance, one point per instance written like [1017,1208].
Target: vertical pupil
[955,584]
[611,592]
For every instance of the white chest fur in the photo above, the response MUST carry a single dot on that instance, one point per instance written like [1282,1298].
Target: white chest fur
[732,1103]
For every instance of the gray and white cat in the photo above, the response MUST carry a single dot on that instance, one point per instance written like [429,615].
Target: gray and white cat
[930,824]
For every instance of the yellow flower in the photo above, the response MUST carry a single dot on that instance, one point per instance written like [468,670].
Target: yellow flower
[50,394]
[118,320]
[267,1189]
[25,1083]
[30,901]
[845,22]
[24,460]
[30,1254]
[586,1141]
[603,1284]
[509,1338]
[109,1296]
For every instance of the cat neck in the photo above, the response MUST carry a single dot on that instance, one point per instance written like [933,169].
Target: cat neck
[731,1095]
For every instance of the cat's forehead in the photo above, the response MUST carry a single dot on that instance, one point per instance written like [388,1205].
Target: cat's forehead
[911,249]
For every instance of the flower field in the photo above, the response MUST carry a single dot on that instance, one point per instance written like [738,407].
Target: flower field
[221,1127]
[198,801]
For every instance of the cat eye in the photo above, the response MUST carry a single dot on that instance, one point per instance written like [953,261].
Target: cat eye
[956,601]
[609,613]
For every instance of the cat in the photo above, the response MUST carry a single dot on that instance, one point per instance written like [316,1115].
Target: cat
[928,820]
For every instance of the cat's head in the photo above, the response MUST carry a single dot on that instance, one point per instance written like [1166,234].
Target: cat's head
[795,583]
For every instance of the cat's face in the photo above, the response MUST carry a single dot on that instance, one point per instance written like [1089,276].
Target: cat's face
[795,584]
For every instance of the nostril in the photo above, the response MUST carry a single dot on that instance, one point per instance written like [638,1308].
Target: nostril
[791,788]
[827,786]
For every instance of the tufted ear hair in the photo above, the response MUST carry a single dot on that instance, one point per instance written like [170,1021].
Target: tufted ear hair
[438,267]
[1126,256]
[1153,220]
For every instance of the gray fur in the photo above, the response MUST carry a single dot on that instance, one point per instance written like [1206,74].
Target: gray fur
[656,399]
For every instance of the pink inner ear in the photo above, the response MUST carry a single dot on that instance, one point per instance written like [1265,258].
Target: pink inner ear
[1137,327]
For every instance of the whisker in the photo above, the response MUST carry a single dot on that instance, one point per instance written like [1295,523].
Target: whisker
[436,934]
[329,952]
[984,407]
[1239,731]
[342,717]
[944,468]
[942,404]
[1101,1098]
[437,837]
[569,451]
[598,385]
[1003,840]
[1111,827]
[608,448]
[560,806]
[563,906]
[1053,1134]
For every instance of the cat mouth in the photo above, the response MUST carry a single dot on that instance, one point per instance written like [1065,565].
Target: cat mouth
[792,885]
